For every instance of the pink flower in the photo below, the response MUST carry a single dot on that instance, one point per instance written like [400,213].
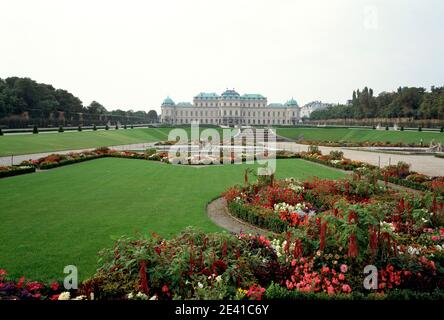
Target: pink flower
[346,288]
[344,268]
[435,238]
[330,290]
[3,272]
[293,262]
[341,277]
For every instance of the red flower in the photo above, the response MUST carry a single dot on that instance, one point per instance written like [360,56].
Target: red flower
[165,289]
[20,282]
[54,286]
[143,278]
[34,286]
[55,297]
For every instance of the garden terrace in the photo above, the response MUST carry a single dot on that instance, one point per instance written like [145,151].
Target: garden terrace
[59,217]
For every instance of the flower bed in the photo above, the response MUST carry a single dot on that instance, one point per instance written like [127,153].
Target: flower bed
[26,290]
[399,174]
[58,160]
[350,223]
[9,171]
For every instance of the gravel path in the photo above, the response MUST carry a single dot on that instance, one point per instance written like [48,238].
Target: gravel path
[218,213]
[425,164]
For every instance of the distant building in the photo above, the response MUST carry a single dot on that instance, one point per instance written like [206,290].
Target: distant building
[307,109]
[230,108]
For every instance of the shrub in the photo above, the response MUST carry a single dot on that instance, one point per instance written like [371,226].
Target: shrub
[117,127]
[336,155]
[35,130]
[442,129]
[419,128]
[94,128]
[107,127]
[402,128]
[124,126]
[79,128]
[1,132]
[314,149]
[150,152]
[386,128]
[132,127]
[61,129]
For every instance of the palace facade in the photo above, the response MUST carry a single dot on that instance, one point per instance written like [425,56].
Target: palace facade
[230,108]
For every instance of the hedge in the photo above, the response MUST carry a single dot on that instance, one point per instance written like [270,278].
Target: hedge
[246,214]
[15,171]
[275,291]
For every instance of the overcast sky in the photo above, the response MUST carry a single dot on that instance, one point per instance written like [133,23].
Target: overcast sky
[132,54]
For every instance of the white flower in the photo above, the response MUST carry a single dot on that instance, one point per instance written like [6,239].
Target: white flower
[153,297]
[219,278]
[200,285]
[142,296]
[64,296]
[80,298]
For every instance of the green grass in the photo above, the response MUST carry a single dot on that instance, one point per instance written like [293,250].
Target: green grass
[48,142]
[360,135]
[65,216]
[45,142]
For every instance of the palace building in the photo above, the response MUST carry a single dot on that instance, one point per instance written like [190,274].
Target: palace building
[230,108]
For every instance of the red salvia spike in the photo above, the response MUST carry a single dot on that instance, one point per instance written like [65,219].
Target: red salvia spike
[434,205]
[322,235]
[224,249]
[143,279]
[287,245]
[297,251]
[373,241]
[353,246]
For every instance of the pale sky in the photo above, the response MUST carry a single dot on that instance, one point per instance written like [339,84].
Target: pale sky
[132,54]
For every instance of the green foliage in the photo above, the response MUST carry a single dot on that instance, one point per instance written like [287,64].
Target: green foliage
[35,130]
[419,129]
[107,127]
[94,127]
[1,132]
[79,128]
[61,129]
[406,102]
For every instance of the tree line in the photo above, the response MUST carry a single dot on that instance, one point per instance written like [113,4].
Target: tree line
[406,102]
[23,101]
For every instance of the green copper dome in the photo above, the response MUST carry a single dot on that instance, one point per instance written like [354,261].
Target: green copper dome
[230,94]
[168,102]
[292,103]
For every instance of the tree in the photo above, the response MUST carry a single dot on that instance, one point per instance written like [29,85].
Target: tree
[152,116]
[96,108]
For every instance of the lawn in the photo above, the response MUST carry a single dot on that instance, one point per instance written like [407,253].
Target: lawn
[65,216]
[54,141]
[360,135]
